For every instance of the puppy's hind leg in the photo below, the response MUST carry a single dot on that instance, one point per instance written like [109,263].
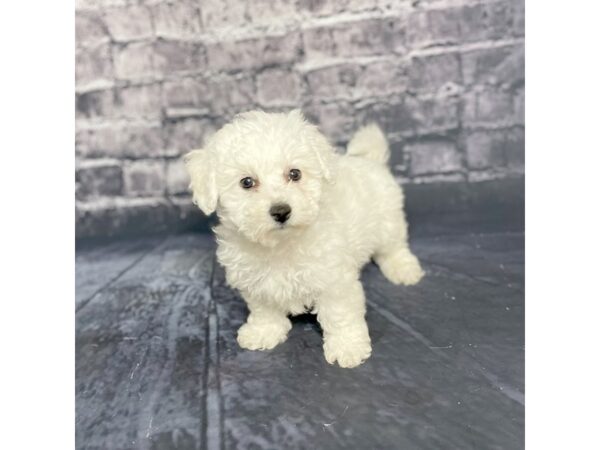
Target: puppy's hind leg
[394,258]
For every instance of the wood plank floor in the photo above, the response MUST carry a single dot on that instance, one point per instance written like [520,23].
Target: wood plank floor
[158,366]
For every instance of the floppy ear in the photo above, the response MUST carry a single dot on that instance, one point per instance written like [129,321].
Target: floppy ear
[200,165]
[325,155]
[324,151]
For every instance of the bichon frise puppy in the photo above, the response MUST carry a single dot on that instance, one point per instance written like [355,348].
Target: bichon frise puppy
[298,222]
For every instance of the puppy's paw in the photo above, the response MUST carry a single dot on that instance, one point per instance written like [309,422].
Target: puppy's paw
[263,336]
[401,268]
[346,353]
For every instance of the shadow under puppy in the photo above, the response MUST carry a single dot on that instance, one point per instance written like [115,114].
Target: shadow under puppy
[298,222]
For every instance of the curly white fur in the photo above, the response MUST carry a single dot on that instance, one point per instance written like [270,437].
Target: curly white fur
[344,210]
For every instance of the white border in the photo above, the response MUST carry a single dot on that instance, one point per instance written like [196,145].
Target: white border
[37,225]
[562,225]
[562,228]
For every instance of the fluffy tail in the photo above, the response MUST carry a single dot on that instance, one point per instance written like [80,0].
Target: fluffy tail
[370,143]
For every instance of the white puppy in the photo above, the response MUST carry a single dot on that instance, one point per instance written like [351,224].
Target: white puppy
[298,222]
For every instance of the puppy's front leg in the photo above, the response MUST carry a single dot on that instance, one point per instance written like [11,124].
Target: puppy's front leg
[266,326]
[341,313]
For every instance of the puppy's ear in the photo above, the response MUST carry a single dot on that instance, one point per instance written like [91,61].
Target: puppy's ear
[200,165]
[325,155]
[324,152]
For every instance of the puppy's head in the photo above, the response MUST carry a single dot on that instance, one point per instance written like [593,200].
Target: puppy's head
[263,173]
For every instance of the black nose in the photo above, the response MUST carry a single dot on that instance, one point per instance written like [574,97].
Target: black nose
[280,212]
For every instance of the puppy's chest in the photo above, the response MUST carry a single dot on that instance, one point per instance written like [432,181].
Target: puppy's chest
[272,276]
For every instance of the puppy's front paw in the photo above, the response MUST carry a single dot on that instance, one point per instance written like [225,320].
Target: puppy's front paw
[401,268]
[348,354]
[263,336]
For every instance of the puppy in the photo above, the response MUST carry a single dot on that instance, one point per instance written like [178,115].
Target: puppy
[298,222]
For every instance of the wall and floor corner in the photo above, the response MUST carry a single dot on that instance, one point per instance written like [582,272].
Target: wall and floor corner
[153,78]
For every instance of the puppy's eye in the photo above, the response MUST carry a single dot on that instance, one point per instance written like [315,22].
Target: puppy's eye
[247,182]
[295,175]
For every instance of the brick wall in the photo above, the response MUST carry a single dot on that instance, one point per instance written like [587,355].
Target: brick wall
[444,78]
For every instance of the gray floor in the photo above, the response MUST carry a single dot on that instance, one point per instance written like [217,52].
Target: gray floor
[158,366]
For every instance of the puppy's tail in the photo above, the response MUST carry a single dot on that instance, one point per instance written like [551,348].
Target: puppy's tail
[370,143]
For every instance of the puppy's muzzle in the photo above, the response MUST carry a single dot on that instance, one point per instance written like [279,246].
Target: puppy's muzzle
[280,212]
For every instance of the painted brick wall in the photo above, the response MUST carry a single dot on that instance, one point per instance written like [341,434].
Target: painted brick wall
[444,78]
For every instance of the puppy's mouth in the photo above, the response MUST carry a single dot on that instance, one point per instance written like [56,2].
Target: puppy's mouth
[285,227]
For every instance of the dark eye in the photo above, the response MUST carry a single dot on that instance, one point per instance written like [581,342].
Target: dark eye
[295,175]
[247,182]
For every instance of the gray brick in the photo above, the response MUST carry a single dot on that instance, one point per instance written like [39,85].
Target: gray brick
[98,178]
[433,156]
[335,120]
[133,102]
[90,28]
[468,23]
[334,82]
[94,104]
[330,7]
[430,73]
[81,143]
[134,60]
[493,149]
[177,70]
[488,107]
[255,52]
[518,8]
[398,161]
[357,38]
[121,142]
[224,13]
[178,180]
[414,115]
[185,94]
[267,12]
[187,134]
[351,81]
[427,28]
[87,4]
[93,65]
[515,148]
[176,56]
[180,19]
[129,22]
[484,21]
[278,87]
[144,178]
[138,102]
[383,78]
[434,114]
[499,65]
[230,93]
[519,105]
[218,94]
[392,115]
[485,149]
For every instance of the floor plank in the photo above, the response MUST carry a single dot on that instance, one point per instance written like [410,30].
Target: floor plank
[158,365]
[97,266]
[424,386]
[140,352]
